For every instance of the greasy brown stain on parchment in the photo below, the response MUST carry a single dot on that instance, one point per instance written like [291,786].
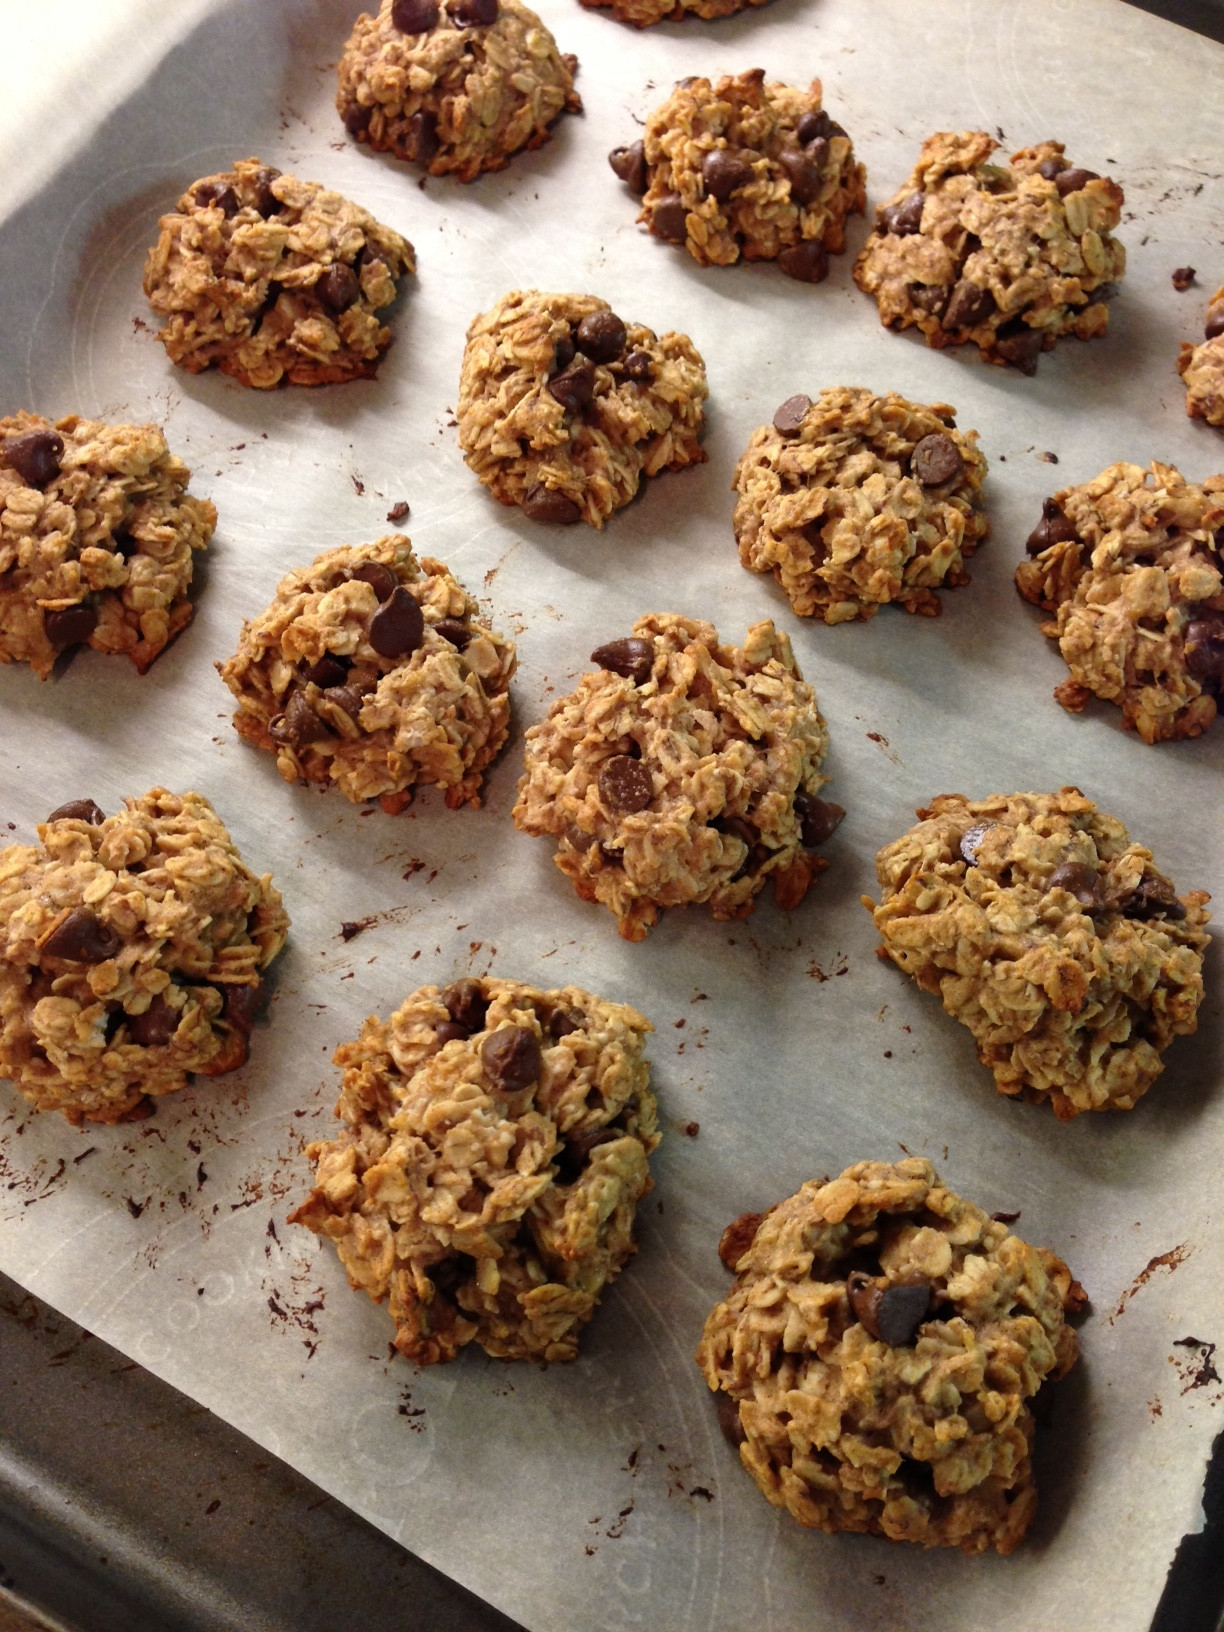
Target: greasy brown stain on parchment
[1166,1260]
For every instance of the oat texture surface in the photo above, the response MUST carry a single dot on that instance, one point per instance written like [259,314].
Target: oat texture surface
[131,951]
[97,535]
[856,500]
[642,13]
[1052,936]
[494,1151]
[1129,568]
[456,87]
[1007,257]
[564,407]
[376,673]
[1202,367]
[682,770]
[273,280]
[877,1353]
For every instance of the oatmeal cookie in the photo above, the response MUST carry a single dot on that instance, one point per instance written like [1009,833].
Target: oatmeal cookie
[739,167]
[97,531]
[130,955]
[493,1155]
[876,1355]
[375,673]
[1202,367]
[563,408]
[855,500]
[1057,941]
[642,13]
[1008,256]
[456,87]
[272,279]
[1131,567]
[682,771]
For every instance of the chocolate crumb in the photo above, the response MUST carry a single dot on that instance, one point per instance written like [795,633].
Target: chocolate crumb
[398,510]
[1183,277]
[692,1129]
[1006,1218]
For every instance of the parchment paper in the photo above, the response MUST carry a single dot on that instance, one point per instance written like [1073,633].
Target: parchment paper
[601,1494]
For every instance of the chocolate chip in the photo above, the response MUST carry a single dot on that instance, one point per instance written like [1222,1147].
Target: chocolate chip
[891,1313]
[243,1005]
[629,163]
[123,544]
[82,938]
[542,503]
[338,287]
[722,172]
[1080,879]
[788,419]
[1006,1218]
[328,671]
[155,1026]
[1071,181]
[466,1004]
[217,195]
[422,133]
[35,456]
[904,218]
[625,785]
[638,366]
[455,631]
[71,625]
[813,126]
[449,1031]
[728,1413]
[1154,897]
[562,1024]
[78,810]
[414,16]
[1215,324]
[738,1236]
[803,173]
[971,841]
[970,305]
[575,1154]
[936,459]
[601,336]
[573,388]
[346,697]
[806,262]
[266,201]
[357,120]
[511,1058]
[1053,528]
[631,657]
[1021,347]
[1183,277]
[1204,647]
[397,629]
[300,724]
[473,13]
[563,353]
[929,297]
[398,510]
[669,219]
[380,578]
[819,819]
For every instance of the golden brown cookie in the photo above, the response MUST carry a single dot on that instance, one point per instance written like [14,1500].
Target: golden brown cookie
[1202,367]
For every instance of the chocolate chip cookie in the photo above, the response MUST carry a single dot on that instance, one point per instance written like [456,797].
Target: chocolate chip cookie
[273,280]
[875,1358]
[131,948]
[682,771]
[855,500]
[1057,941]
[456,86]
[564,407]
[642,13]
[1202,367]
[1131,567]
[739,167]
[374,673]
[493,1155]
[1006,256]
[97,531]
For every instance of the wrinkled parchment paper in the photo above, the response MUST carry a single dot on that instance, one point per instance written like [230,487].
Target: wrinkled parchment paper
[601,1494]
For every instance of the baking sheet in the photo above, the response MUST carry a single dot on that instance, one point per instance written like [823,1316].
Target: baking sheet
[602,1494]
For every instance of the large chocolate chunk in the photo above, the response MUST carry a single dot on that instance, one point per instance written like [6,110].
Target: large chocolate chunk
[625,785]
[35,456]
[82,937]
[511,1058]
[631,657]
[397,629]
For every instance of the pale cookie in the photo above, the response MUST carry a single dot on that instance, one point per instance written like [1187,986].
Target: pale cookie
[875,1359]
[563,408]
[1131,565]
[642,13]
[456,87]
[273,280]
[494,1153]
[97,531]
[376,674]
[682,771]
[1052,937]
[739,167]
[130,955]
[1006,256]
[857,500]
[1202,367]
